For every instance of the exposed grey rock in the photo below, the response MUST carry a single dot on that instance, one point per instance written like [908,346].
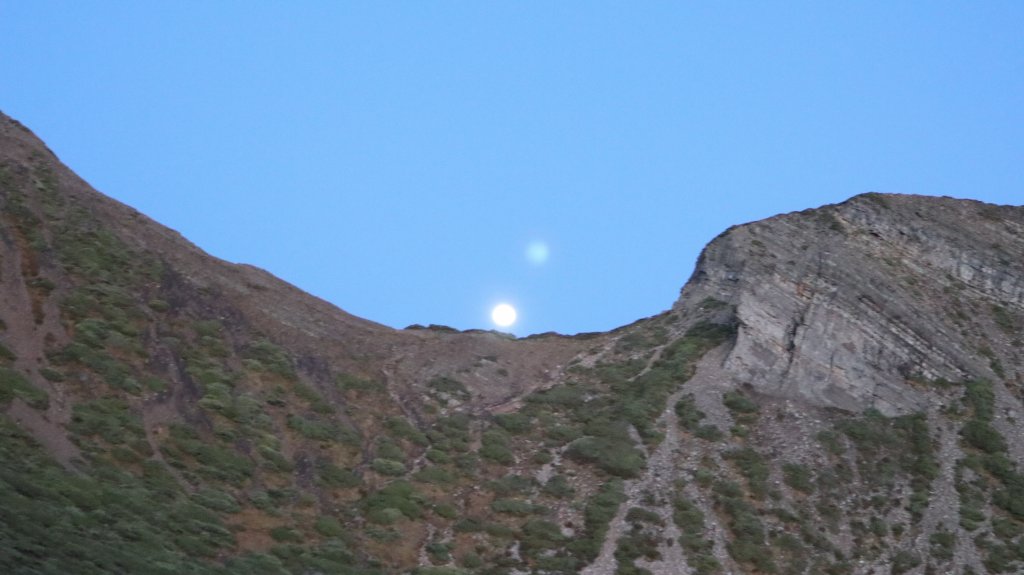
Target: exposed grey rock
[841,305]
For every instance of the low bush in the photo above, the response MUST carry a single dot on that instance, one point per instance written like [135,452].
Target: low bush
[753,467]
[737,402]
[616,457]
[641,515]
[558,487]
[388,467]
[399,496]
[798,477]
[330,475]
[598,513]
[14,384]
[434,474]
[688,414]
[514,423]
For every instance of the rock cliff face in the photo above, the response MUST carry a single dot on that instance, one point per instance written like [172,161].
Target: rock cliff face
[842,305]
[836,391]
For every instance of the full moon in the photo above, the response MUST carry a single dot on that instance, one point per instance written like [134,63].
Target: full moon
[503,315]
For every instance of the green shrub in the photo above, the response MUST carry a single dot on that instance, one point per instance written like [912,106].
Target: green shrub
[978,395]
[270,357]
[14,384]
[273,459]
[737,402]
[387,449]
[980,435]
[445,389]
[943,543]
[971,516]
[215,461]
[434,474]
[513,484]
[331,475]
[208,328]
[798,477]
[708,433]
[6,355]
[438,552]
[328,526]
[830,441]
[498,453]
[641,515]
[748,545]
[541,534]
[1004,319]
[452,431]
[438,456]
[471,561]
[562,434]
[888,446]
[388,467]
[616,457]
[558,487]
[401,427]
[561,396]
[514,423]
[687,412]
[108,418]
[285,535]
[1006,528]
[316,401]
[598,513]
[633,546]
[159,305]
[384,515]
[495,447]
[703,477]
[398,495]
[321,430]
[217,500]
[51,374]
[446,510]
[753,467]
[469,525]
[904,561]
[499,531]
[349,382]
[217,397]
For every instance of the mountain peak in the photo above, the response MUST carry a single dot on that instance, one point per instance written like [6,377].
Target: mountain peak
[842,303]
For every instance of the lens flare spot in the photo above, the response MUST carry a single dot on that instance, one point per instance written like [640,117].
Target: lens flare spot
[537,253]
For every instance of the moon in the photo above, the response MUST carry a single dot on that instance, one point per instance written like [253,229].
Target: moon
[503,315]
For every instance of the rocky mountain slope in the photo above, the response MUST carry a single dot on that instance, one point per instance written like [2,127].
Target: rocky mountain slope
[836,391]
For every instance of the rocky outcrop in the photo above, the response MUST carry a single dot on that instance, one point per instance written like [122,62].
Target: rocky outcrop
[843,304]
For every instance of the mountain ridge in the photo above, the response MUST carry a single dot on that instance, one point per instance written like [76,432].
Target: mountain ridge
[834,391]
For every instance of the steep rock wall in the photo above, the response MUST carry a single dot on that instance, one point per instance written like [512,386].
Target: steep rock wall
[890,288]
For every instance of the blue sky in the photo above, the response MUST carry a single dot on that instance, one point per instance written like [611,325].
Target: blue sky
[397,158]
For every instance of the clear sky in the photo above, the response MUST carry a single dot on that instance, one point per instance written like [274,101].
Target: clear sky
[398,158]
